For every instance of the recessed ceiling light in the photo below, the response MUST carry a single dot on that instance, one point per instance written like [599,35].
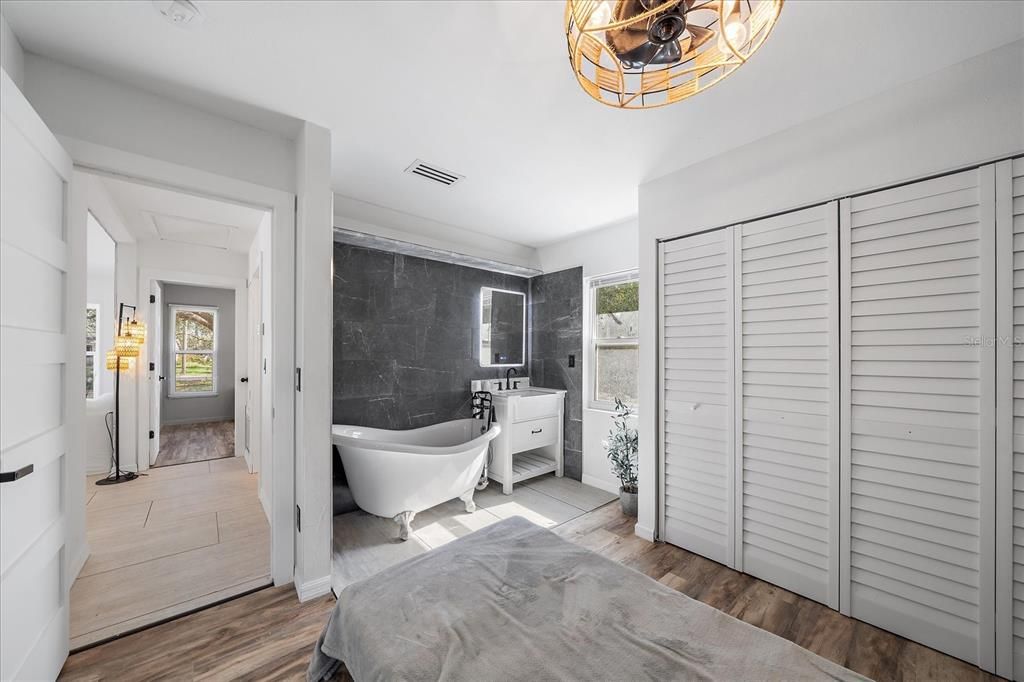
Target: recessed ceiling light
[179,12]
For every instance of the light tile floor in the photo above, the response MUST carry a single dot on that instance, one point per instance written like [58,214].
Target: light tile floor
[365,544]
[176,539]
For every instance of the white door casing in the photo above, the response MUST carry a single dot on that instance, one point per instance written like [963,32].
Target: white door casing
[42,337]
[156,375]
[697,418]
[787,388]
[252,390]
[918,410]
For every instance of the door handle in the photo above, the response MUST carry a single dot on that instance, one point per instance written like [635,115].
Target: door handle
[9,476]
[537,431]
[160,378]
[244,380]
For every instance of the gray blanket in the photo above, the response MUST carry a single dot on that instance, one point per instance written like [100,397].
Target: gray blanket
[516,602]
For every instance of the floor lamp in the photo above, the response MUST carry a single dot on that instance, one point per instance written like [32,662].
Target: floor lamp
[131,334]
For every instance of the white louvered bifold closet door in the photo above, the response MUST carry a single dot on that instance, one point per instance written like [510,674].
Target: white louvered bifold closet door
[1010,430]
[918,404]
[696,400]
[788,382]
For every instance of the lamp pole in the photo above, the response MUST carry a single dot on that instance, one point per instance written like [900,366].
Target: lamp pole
[117,476]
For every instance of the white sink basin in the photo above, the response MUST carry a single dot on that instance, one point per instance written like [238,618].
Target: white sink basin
[531,403]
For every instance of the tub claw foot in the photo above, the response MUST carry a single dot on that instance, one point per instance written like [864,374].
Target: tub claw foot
[467,497]
[404,521]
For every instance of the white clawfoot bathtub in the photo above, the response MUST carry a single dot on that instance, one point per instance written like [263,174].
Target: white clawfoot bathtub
[396,474]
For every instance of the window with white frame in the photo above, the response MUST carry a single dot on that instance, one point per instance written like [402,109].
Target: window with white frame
[615,331]
[194,351]
[92,318]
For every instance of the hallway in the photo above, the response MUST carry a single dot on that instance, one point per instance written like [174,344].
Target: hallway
[176,539]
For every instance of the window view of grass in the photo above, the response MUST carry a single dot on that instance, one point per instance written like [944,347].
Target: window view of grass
[193,351]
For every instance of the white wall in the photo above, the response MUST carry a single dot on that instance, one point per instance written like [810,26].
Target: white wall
[12,57]
[361,216]
[83,105]
[203,260]
[99,291]
[314,324]
[600,252]
[100,263]
[97,201]
[969,113]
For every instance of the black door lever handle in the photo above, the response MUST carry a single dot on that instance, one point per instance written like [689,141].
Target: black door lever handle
[9,476]
[244,380]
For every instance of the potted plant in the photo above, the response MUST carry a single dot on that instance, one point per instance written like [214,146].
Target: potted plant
[622,446]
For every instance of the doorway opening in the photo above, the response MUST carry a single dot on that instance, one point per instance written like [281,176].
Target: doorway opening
[196,403]
[194,528]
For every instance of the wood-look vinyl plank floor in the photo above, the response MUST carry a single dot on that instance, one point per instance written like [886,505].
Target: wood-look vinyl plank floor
[269,635]
[182,443]
[176,539]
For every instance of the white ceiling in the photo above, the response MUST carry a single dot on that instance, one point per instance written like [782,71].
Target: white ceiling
[158,214]
[484,89]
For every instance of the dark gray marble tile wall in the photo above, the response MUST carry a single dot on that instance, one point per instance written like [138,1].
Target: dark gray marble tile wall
[556,332]
[406,337]
[406,340]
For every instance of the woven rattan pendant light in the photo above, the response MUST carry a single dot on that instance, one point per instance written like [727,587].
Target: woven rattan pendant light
[640,54]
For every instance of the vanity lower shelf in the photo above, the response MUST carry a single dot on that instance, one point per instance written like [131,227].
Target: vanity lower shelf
[527,465]
[530,464]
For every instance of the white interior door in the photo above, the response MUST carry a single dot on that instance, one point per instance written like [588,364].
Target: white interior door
[697,427]
[156,374]
[252,386]
[40,383]
[919,412]
[787,424]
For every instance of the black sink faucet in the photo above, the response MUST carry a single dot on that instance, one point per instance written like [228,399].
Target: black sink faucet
[508,377]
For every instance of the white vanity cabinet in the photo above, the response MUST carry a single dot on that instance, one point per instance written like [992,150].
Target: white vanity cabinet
[531,438]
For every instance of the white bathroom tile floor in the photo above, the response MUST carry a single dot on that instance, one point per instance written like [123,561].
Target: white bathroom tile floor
[365,545]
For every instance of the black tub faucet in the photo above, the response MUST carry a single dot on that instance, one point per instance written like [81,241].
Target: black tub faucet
[508,377]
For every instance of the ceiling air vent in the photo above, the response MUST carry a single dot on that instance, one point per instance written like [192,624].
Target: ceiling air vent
[431,172]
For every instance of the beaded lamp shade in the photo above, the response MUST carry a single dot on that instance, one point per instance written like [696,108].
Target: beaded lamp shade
[126,346]
[641,54]
[126,363]
[135,330]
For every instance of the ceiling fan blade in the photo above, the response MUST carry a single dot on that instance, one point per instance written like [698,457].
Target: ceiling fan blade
[699,35]
[623,40]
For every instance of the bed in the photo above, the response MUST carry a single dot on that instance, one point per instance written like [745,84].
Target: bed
[515,601]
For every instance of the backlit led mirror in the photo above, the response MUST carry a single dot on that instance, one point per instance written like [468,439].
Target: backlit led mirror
[502,328]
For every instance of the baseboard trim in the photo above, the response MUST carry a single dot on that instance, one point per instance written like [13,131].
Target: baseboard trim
[78,563]
[600,484]
[265,504]
[311,589]
[644,532]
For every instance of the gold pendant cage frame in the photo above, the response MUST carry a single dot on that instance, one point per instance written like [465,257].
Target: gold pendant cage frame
[704,61]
